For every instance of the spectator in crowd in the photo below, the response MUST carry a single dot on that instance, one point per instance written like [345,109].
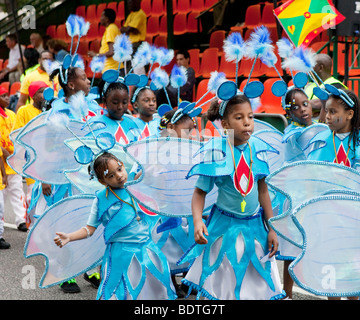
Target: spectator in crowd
[107,20]
[58,48]
[186,91]
[36,41]
[39,74]
[135,27]
[323,68]
[135,24]
[31,60]
[14,191]
[11,72]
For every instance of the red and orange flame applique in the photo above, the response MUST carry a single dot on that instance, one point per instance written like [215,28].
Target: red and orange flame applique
[145,133]
[341,157]
[242,182]
[120,136]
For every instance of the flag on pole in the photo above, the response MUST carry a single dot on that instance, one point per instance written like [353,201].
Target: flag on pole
[304,20]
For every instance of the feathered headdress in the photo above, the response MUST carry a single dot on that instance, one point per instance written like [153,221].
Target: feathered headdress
[234,48]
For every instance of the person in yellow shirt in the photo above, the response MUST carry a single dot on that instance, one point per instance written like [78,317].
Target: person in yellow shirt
[14,189]
[3,243]
[107,20]
[27,113]
[135,27]
[37,75]
[135,24]
[31,110]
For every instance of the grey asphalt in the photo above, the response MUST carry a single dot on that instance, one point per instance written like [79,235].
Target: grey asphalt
[20,276]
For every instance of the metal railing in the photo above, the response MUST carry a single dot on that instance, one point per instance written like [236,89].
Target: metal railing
[42,7]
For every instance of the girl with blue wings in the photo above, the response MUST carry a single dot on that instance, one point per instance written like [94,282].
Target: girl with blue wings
[144,102]
[133,267]
[172,235]
[298,109]
[339,144]
[234,251]
[115,96]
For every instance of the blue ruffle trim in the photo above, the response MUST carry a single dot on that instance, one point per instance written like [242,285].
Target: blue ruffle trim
[202,292]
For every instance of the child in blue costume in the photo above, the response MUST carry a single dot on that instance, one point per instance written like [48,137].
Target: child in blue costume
[177,234]
[299,111]
[144,102]
[76,81]
[123,126]
[133,266]
[234,253]
[339,144]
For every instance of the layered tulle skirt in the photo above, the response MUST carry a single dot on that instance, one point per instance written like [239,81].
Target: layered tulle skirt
[233,264]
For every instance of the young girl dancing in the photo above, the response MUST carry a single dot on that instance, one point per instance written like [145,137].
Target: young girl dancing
[298,109]
[234,251]
[123,126]
[340,144]
[144,101]
[133,266]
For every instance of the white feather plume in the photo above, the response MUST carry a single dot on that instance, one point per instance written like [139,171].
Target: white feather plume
[259,43]
[78,105]
[123,48]
[216,79]
[159,78]
[302,60]
[234,47]
[285,48]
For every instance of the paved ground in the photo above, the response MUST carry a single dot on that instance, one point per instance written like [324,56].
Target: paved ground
[19,277]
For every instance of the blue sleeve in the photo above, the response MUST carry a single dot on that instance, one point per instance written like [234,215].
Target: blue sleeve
[205,183]
[93,217]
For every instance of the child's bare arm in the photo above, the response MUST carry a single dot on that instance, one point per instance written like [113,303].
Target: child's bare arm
[197,207]
[63,238]
[265,202]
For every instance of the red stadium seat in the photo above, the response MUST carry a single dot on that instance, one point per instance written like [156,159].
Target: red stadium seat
[180,21]
[81,11]
[15,87]
[91,13]
[51,31]
[209,62]
[217,40]
[157,8]
[146,7]
[99,10]
[200,91]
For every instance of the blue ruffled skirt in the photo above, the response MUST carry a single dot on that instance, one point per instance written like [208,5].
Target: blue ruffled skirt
[135,271]
[228,267]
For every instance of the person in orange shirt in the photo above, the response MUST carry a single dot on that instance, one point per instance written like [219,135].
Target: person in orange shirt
[14,189]
[39,74]
[107,20]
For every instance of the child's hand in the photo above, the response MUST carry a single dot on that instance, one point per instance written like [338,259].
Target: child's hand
[61,239]
[46,189]
[199,231]
[273,243]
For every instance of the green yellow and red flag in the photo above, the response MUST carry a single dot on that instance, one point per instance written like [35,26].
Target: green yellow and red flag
[304,20]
